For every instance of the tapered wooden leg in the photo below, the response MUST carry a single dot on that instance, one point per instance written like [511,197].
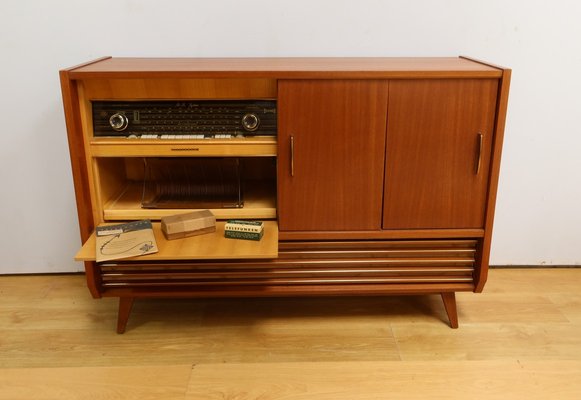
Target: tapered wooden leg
[449,299]
[125,305]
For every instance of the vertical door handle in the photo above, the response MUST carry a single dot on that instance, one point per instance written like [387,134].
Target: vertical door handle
[292,155]
[479,157]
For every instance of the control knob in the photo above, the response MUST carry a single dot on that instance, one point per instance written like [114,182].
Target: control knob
[119,122]
[250,122]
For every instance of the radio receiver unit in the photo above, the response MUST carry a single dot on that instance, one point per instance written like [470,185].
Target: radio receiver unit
[217,119]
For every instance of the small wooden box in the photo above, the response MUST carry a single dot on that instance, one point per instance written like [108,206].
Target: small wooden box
[189,224]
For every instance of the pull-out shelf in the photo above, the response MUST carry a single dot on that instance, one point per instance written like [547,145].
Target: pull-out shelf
[203,247]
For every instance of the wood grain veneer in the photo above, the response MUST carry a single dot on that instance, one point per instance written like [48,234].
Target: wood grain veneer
[285,68]
[260,146]
[431,180]
[499,125]
[176,88]
[337,129]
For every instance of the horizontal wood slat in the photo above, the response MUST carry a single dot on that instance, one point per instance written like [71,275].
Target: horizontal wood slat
[309,263]
[302,281]
[227,265]
[379,244]
[352,289]
[203,276]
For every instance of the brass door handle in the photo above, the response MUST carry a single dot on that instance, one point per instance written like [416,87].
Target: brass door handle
[479,158]
[292,155]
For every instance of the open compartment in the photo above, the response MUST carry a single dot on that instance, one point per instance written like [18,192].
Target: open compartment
[137,188]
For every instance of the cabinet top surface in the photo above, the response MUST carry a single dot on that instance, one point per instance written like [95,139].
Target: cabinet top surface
[297,68]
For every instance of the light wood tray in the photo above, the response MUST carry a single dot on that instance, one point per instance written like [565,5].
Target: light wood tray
[203,247]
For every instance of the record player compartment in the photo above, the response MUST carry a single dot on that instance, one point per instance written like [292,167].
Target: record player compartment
[151,188]
[192,183]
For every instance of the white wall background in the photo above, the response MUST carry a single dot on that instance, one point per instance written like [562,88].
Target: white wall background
[538,219]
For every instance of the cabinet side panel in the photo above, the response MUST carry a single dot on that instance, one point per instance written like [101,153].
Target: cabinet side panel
[331,154]
[80,175]
[77,153]
[481,273]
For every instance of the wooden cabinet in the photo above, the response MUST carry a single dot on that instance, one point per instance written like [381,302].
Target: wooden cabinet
[331,143]
[381,178]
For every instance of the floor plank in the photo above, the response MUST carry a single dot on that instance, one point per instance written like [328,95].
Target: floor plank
[490,341]
[112,383]
[490,380]
[68,348]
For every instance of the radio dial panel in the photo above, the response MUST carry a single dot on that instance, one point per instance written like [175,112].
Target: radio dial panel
[209,118]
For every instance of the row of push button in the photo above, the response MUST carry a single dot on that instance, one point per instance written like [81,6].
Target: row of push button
[217,136]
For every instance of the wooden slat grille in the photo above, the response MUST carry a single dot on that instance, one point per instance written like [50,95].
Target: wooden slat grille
[310,263]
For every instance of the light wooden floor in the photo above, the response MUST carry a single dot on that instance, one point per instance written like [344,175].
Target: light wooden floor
[520,339]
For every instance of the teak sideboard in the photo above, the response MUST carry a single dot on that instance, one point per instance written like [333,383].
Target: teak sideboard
[381,178]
